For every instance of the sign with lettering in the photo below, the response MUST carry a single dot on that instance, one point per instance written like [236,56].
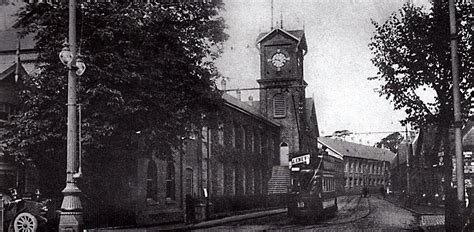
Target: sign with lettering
[300,159]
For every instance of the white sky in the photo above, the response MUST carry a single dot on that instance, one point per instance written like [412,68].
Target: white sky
[337,64]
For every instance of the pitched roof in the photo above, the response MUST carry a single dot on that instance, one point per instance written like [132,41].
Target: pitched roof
[9,41]
[309,112]
[246,108]
[309,107]
[10,72]
[295,34]
[348,149]
[468,134]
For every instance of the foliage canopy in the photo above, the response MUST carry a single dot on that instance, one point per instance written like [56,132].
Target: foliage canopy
[391,142]
[150,76]
[412,53]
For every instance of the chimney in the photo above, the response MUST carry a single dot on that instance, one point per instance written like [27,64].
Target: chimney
[251,100]
[239,94]
[223,83]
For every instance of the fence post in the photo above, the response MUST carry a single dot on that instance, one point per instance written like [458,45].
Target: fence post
[1,212]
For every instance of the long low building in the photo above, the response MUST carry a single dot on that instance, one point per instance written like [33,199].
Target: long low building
[364,166]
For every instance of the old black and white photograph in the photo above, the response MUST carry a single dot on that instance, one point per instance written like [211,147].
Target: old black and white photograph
[236,115]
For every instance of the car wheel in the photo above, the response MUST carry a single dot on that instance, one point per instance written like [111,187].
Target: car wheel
[25,222]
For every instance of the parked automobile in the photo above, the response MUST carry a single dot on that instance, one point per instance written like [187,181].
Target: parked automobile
[26,213]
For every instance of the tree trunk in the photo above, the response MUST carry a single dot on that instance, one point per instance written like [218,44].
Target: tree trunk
[453,219]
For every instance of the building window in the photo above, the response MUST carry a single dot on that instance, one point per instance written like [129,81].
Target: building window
[258,147]
[220,133]
[6,110]
[244,138]
[272,147]
[152,182]
[233,135]
[3,111]
[188,181]
[279,106]
[346,169]
[229,179]
[252,141]
[170,185]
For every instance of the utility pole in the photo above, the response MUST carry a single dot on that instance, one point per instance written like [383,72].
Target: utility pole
[458,205]
[457,104]
[71,217]
[409,152]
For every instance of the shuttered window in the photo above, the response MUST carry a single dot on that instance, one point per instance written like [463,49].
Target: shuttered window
[279,106]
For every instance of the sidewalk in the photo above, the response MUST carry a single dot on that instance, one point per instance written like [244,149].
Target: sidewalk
[415,208]
[201,225]
[345,204]
[431,217]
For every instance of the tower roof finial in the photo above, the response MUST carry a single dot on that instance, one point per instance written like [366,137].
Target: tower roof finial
[271,23]
[281,19]
[18,61]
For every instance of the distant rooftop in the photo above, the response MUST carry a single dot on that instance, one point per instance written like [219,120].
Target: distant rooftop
[348,149]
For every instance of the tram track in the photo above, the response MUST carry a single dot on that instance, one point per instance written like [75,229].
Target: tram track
[350,212]
[323,224]
[370,210]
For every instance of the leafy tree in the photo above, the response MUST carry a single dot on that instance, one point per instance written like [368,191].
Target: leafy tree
[412,53]
[341,134]
[391,142]
[150,76]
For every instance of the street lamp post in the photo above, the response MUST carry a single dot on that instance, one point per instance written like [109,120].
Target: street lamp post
[71,217]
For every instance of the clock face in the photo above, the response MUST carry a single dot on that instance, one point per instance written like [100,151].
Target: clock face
[279,59]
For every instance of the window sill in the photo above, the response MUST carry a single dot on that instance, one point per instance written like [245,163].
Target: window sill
[169,201]
[151,202]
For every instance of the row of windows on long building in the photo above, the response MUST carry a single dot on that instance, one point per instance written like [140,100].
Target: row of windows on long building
[236,180]
[360,181]
[226,178]
[359,167]
[241,136]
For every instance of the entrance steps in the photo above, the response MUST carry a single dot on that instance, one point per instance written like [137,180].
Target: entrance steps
[280,180]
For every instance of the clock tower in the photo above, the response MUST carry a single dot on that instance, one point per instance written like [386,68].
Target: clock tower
[282,94]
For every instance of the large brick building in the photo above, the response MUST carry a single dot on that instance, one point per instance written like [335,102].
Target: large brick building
[231,158]
[364,166]
[237,162]
[245,154]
